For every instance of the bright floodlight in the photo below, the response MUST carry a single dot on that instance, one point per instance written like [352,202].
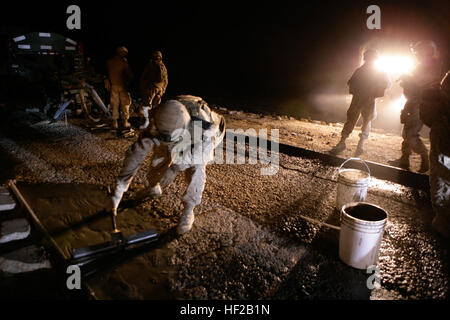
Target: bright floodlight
[399,103]
[395,65]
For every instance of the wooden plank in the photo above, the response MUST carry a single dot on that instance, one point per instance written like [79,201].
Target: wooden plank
[6,200]
[377,170]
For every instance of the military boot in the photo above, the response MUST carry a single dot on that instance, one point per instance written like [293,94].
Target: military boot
[402,162]
[339,147]
[187,219]
[424,166]
[152,193]
[359,149]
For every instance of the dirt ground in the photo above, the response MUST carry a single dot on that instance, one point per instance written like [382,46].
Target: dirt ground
[320,136]
[248,241]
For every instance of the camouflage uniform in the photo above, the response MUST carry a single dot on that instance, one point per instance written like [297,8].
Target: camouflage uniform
[154,82]
[153,85]
[119,74]
[435,113]
[171,157]
[424,76]
[366,84]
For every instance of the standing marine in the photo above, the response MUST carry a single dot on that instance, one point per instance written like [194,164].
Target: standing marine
[366,84]
[427,74]
[435,113]
[120,76]
[153,85]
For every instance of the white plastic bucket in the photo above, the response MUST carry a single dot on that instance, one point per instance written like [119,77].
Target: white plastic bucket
[362,229]
[352,184]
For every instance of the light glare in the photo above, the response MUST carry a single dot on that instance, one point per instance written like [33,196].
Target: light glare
[399,103]
[395,65]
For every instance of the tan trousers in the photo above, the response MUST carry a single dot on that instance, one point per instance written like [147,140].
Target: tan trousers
[162,170]
[120,97]
[360,106]
[152,97]
[440,174]
[411,129]
[411,139]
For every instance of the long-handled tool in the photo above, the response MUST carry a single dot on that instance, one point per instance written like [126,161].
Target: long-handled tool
[117,243]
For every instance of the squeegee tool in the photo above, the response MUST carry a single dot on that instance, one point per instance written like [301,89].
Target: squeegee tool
[117,243]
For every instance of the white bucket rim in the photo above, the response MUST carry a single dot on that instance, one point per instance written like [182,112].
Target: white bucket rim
[361,181]
[361,221]
[341,169]
[359,227]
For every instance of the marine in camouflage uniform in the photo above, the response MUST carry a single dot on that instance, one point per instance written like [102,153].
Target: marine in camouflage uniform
[427,75]
[120,76]
[153,83]
[435,113]
[182,135]
[366,84]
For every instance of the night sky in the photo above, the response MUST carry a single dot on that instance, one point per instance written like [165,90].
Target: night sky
[258,54]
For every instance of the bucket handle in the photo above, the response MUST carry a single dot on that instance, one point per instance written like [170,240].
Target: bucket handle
[331,226]
[355,159]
